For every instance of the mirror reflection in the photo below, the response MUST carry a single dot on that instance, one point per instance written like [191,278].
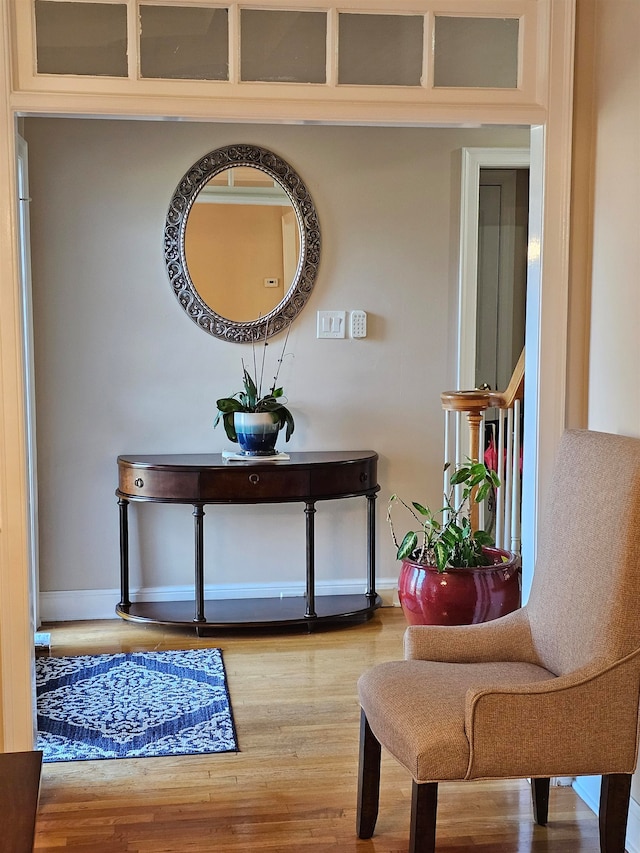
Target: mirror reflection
[242,243]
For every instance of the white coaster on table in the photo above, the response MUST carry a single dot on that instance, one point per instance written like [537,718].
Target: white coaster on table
[231,456]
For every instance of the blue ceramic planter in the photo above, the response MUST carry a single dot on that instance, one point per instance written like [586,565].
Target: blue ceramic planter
[257,432]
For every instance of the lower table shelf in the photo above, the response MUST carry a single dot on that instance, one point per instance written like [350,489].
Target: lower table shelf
[239,613]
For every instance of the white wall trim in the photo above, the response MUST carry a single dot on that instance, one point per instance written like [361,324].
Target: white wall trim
[632,842]
[24,201]
[81,604]
[17,722]
[588,789]
[548,285]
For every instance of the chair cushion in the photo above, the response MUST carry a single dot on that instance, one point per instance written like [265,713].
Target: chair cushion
[416,710]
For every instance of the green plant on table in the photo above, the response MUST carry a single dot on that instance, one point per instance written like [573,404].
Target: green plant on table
[252,398]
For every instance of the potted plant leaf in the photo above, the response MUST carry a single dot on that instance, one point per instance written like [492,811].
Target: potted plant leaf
[452,574]
[251,418]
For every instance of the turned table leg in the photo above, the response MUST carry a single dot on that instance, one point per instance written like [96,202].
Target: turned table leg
[310,612]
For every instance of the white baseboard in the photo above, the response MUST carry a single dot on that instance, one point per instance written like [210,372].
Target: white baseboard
[588,789]
[87,604]
[633,827]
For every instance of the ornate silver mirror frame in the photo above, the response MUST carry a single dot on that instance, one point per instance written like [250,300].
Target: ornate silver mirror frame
[174,243]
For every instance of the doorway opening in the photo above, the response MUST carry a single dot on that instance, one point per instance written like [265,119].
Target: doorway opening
[503,223]
[477,162]
[494,238]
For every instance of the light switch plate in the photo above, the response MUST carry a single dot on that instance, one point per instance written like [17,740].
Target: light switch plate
[331,324]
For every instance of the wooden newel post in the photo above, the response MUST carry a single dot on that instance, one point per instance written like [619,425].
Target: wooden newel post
[474,404]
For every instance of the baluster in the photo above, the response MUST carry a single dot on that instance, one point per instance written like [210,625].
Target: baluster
[508,476]
[500,472]
[515,496]
[446,476]
[474,405]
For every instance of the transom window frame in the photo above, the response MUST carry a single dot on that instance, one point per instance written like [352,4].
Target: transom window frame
[325,101]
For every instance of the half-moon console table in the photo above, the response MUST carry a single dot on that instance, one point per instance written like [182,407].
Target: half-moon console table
[201,479]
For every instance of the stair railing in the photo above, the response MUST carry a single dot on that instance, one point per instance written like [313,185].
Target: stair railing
[505,455]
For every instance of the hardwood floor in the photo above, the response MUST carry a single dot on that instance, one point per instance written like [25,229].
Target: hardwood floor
[292,786]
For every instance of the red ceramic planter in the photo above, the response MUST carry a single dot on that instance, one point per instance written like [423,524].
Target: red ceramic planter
[460,596]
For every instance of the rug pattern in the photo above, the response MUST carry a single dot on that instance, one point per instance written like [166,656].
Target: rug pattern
[133,705]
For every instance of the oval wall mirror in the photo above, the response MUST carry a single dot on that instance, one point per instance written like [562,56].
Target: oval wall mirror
[242,243]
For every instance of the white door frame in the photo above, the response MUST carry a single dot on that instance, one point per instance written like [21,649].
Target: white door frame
[473,160]
[546,312]
[30,404]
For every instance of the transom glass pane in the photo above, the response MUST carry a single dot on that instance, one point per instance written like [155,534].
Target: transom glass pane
[476,52]
[283,47]
[185,42]
[380,50]
[81,38]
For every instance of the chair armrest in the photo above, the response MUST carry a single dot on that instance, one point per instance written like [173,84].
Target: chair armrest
[584,723]
[505,639]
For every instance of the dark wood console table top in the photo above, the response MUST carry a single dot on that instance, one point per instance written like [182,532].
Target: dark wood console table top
[203,479]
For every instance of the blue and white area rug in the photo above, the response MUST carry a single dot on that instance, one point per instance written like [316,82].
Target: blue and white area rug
[134,705]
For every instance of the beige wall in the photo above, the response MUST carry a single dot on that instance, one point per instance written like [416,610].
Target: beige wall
[120,368]
[614,367]
[606,239]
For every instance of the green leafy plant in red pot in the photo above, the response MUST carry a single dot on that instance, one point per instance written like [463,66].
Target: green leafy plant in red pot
[452,574]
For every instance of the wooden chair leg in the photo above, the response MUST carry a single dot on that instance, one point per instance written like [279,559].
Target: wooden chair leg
[614,809]
[368,780]
[540,798]
[424,805]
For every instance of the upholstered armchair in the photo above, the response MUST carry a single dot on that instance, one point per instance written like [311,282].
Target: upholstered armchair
[549,690]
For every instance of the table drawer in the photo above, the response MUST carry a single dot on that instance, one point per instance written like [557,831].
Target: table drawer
[250,483]
[348,478]
[161,485]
